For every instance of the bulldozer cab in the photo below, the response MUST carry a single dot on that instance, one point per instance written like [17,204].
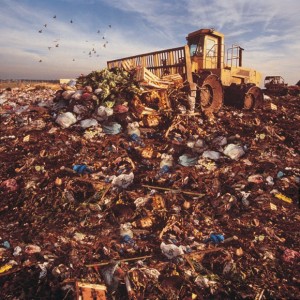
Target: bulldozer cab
[218,80]
[206,49]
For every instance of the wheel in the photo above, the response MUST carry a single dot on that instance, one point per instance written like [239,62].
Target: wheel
[253,98]
[211,94]
[249,101]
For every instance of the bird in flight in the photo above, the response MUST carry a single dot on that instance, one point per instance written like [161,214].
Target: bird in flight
[98,31]
[73,59]
[71,21]
[49,48]
[54,17]
[45,25]
[56,45]
[40,31]
[109,26]
[40,60]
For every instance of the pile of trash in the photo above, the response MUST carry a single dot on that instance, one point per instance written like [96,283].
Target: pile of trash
[118,185]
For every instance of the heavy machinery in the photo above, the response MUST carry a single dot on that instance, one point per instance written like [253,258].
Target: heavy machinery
[203,64]
[275,85]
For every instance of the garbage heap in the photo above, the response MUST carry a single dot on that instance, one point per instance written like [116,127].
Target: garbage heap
[114,184]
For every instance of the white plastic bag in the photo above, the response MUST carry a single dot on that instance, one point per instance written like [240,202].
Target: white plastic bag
[171,250]
[88,123]
[234,151]
[123,180]
[214,155]
[104,112]
[77,95]
[65,120]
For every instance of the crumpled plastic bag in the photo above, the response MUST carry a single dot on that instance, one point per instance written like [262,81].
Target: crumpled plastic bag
[111,275]
[81,169]
[88,123]
[112,128]
[6,244]
[234,151]
[141,201]
[125,230]
[166,160]
[77,95]
[65,120]
[171,250]
[198,145]
[123,180]
[188,160]
[133,128]
[134,132]
[17,251]
[215,238]
[43,266]
[103,113]
[214,155]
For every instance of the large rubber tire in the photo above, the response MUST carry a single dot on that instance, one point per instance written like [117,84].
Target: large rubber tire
[253,98]
[211,94]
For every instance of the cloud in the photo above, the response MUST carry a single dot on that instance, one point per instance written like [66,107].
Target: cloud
[22,46]
[266,29]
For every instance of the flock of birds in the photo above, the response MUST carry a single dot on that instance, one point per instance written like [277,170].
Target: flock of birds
[90,52]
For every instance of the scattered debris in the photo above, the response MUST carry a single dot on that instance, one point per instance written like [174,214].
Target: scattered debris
[112,189]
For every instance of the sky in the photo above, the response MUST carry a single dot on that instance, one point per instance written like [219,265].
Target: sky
[65,38]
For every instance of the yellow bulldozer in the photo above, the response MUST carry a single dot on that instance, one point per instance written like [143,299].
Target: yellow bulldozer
[215,74]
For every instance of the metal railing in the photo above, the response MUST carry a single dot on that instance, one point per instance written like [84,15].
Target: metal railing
[164,62]
[233,56]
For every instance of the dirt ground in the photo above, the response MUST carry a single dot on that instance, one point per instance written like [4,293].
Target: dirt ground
[220,228]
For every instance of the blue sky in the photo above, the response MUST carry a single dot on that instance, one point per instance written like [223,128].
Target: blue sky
[268,30]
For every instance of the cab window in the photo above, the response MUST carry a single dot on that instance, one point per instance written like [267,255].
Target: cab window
[210,47]
[196,50]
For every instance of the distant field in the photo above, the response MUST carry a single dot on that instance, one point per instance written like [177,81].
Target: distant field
[27,84]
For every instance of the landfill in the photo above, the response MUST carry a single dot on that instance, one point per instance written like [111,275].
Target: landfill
[110,181]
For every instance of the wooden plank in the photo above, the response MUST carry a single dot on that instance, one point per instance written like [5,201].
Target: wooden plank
[126,65]
[172,77]
[90,291]
[188,65]
[146,77]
